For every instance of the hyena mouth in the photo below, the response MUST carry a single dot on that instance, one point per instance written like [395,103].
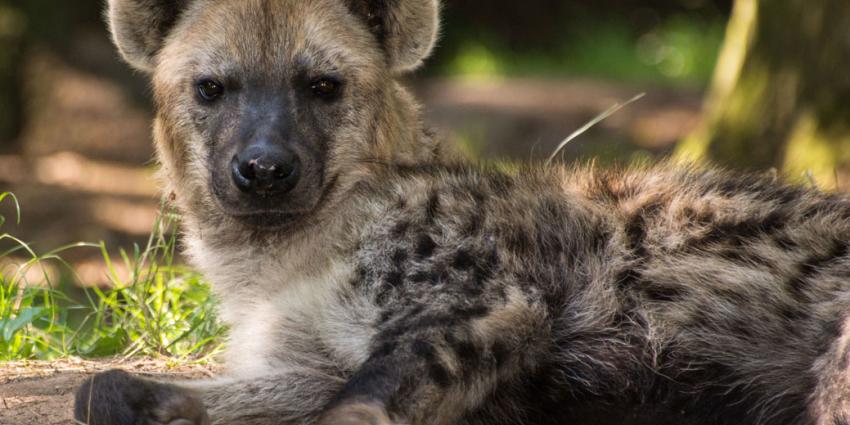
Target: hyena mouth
[269,220]
[263,213]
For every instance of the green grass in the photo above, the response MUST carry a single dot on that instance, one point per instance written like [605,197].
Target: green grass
[679,51]
[161,309]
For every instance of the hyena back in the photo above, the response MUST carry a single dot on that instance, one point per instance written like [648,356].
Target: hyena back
[367,280]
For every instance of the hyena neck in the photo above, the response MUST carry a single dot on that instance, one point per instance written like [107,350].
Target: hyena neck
[402,136]
[245,273]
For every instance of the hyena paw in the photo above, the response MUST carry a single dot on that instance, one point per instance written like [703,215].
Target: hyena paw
[118,398]
[356,414]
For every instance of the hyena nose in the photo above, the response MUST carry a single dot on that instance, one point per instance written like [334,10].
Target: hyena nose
[266,170]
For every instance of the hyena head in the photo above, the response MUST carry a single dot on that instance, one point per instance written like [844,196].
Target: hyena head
[268,108]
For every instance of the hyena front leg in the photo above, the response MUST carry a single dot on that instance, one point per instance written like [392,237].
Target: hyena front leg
[118,398]
[434,367]
[830,402]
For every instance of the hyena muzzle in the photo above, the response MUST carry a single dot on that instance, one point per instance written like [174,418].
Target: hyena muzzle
[368,280]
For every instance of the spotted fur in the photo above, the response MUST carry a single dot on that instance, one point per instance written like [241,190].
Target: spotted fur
[399,287]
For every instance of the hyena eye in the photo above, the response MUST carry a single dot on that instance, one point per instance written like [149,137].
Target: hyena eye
[325,88]
[210,90]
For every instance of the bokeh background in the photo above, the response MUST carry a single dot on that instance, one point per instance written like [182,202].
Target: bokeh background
[742,83]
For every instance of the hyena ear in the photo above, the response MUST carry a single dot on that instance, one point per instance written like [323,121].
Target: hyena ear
[139,27]
[407,29]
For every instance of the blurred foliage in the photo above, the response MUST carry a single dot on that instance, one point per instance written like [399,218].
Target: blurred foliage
[677,51]
[27,25]
[12,26]
[657,40]
[779,98]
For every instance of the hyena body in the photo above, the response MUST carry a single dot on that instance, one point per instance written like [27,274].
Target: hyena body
[368,281]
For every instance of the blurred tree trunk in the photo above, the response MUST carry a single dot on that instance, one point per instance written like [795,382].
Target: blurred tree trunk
[24,26]
[12,26]
[781,92]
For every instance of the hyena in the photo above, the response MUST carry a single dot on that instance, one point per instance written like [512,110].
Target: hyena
[369,280]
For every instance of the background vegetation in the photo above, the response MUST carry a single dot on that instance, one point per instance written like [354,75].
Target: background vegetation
[158,309]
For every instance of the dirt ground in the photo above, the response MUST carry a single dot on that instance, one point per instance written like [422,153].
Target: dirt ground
[42,393]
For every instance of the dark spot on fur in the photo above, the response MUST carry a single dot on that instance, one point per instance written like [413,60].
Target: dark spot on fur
[423,349]
[385,349]
[635,227]
[466,313]
[376,380]
[425,246]
[812,266]
[385,317]
[399,257]
[466,353]
[360,277]
[600,238]
[737,232]
[476,221]
[439,374]
[501,353]
[432,207]
[401,203]
[745,257]
[629,278]
[436,371]
[395,278]
[793,314]
[786,243]
[665,293]
[420,276]
[400,229]
[463,260]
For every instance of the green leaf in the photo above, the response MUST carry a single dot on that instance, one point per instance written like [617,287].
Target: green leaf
[24,318]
